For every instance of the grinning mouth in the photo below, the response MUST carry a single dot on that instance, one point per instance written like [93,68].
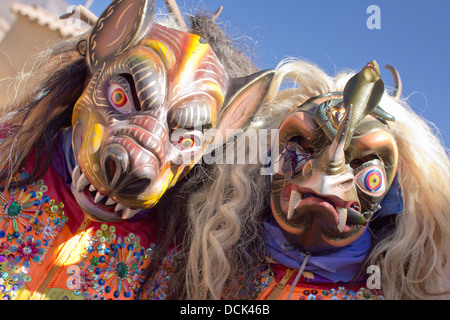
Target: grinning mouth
[302,205]
[98,206]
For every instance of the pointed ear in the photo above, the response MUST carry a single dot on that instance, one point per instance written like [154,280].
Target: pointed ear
[245,97]
[120,26]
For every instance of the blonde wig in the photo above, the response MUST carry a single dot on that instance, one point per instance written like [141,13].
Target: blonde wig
[225,245]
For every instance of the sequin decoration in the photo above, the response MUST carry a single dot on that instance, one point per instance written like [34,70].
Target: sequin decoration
[29,222]
[338,293]
[157,286]
[261,283]
[341,293]
[112,266]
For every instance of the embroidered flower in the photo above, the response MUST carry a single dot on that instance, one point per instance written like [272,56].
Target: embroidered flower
[28,250]
[19,207]
[29,221]
[114,263]
[122,268]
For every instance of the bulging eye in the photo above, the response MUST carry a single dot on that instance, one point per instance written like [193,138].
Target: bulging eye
[186,141]
[119,99]
[293,158]
[371,178]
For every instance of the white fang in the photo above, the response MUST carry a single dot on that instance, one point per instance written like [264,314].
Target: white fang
[294,200]
[82,182]
[342,218]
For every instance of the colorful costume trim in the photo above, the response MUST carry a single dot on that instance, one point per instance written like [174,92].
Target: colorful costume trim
[275,283]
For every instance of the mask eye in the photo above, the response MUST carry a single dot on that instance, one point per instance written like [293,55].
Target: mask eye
[371,178]
[293,158]
[187,141]
[119,99]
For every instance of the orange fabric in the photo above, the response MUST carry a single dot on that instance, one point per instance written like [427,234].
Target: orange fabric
[49,250]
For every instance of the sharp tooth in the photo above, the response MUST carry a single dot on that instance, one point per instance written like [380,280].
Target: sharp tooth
[355,218]
[92,188]
[342,218]
[82,182]
[294,200]
[76,174]
[128,213]
[120,206]
[110,202]
[98,197]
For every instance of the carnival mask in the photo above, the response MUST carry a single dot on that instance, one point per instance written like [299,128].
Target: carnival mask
[137,127]
[337,161]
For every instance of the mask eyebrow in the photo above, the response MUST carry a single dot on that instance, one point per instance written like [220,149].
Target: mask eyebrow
[191,115]
[148,76]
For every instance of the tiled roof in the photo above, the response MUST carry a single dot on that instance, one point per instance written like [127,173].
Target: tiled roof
[67,28]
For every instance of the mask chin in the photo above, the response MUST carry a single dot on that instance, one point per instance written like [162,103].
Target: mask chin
[317,232]
[315,223]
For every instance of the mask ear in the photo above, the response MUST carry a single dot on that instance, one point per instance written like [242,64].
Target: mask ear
[120,26]
[246,95]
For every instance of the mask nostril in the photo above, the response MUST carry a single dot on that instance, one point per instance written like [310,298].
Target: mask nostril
[111,168]
[347,184]
[114,164]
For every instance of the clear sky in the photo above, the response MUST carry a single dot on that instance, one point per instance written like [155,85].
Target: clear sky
[414,36]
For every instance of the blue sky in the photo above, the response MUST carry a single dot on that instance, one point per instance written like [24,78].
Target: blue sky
[414,37]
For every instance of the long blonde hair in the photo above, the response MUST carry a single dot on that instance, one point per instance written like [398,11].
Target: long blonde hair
[225,239]
[414,259]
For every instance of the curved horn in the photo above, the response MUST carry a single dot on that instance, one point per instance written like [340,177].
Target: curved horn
[216,15]
[397,82]
[175,11]
[85,15]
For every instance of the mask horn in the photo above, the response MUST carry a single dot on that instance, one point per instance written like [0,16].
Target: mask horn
[175,12]
[336,152]
[216,15]
[84,13]
[397,82]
